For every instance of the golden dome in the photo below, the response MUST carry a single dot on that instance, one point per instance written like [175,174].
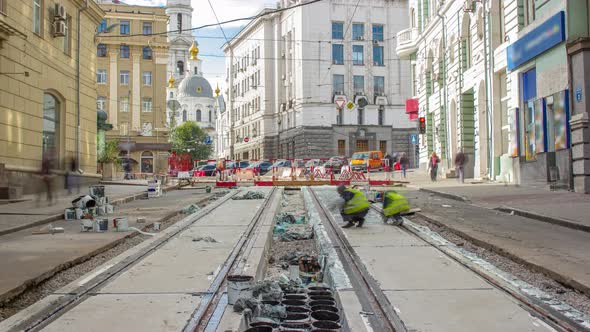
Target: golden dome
[194,51]
[171,81]
[217,91]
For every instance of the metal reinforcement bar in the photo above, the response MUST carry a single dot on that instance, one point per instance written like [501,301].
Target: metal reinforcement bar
[535,306]
[365,286]
[201,317]
[66,303]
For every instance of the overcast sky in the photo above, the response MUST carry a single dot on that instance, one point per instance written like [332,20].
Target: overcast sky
[211,39]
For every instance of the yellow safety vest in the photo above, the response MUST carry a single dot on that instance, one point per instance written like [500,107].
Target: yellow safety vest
[394,203]
[357,204]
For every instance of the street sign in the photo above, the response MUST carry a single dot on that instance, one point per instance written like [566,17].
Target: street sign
[579,95]
[340,102]
[414,139]
[246,139]
[350,106]
[208,140]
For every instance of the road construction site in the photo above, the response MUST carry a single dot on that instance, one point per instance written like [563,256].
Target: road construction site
[277,259]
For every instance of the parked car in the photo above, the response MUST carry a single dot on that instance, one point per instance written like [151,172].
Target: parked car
[205,170]
[314,163]
[335,163]
[260,167]
[282,163]
[234,165]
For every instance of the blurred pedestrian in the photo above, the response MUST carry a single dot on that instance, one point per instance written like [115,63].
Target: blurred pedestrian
[460,160]
[127,168]
[390,161]
[404,163]
[72,176]
[46,176]
[356,206]
[221,169]
[433,166]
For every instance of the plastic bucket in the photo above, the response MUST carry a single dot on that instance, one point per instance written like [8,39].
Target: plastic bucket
[101,225]
[121,224]
[236,285]
[294,271]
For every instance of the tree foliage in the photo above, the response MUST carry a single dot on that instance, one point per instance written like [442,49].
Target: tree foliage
[190,138]
[110,153]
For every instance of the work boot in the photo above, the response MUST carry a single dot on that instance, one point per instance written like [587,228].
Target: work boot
[348,225]
[360,222]
[398,220]
[385,220]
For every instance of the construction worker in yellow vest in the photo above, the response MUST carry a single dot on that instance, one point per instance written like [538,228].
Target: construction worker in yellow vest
[393,205]
[356,206]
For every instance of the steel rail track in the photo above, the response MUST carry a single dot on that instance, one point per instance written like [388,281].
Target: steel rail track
[203,315]
[370,294]
[535,307]
[70,300]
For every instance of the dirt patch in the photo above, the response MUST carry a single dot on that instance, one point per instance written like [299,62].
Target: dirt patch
[539,280]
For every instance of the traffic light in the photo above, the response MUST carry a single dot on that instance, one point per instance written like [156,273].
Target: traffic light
[422,125]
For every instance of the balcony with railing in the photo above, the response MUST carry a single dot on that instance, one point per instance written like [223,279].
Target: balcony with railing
[407,42]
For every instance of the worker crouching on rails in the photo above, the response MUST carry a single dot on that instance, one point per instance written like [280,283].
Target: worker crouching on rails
[356,206]
[393,206]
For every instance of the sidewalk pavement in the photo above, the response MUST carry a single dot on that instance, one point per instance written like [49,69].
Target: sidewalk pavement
[29,259]
[564,208]
[29,213]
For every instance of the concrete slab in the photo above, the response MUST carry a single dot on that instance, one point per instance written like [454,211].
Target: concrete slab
[124,313]
[352,309]
[485,310]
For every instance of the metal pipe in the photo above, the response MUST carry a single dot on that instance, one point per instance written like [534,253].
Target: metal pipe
[78,46]
[487,86]
[444,80]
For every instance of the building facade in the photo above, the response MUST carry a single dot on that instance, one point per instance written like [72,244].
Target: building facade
[47,101]
[131,78]
[287,70]
[491,79]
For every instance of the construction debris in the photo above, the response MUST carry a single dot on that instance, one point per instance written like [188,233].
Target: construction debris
[48,230]
[267,290]
[205,239]
[243,303]
[250,195]
[296,235]
[190,209]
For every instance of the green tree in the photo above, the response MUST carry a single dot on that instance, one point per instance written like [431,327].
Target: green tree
[110,154]
[190,138]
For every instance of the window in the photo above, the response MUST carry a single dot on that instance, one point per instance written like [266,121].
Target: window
[102,26]
[379,85]
[529,11]
[357,55]
[124,28]
[338,54]
[358,31]
[171,94]
[199,116]
[179,22]
[51,127]
[101,103]
[68,35]
[146,105]
[180,67]
[146,129]
[124,101]
[184,116]
[378,55]
[147,78]
[502,22]
[101,50]
[101,76]
[37,16]
[377,32]
[341,147]
[147,162]
[362,145]
[361,116]
[338,84]
[124,52]
[147,53]
[383,147]
[124,77]
[124,129]
[358,84]
[147,28]
[337,30]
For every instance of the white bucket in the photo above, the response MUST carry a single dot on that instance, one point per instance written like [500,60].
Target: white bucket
[157,226]
[294,272]
[121,224]
[236,286]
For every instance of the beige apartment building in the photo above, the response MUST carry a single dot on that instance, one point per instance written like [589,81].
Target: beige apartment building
[131,79]
[47,101]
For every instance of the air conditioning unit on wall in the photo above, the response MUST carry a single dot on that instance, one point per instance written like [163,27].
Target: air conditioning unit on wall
[59,29]
[59,12]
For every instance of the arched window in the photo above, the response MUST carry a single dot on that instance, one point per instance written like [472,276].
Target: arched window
[179,22]
[180,67]
[184,116]
[51,129]
[413,18]
[466,41]
[198,115]
[147,162]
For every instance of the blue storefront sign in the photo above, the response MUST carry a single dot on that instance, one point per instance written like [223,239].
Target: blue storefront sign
[539,40]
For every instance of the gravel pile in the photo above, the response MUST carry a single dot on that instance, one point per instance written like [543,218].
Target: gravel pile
[539,280]
[250,195]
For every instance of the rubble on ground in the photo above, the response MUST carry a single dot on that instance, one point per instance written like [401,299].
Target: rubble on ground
[250,195]
[190,209]
[204,239]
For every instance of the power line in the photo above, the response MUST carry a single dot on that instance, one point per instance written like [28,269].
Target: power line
[262,14]
[217,19]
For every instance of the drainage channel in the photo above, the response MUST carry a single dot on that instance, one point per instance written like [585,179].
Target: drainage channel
[59,307]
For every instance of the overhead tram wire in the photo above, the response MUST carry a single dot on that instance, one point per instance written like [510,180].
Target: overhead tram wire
[274,11]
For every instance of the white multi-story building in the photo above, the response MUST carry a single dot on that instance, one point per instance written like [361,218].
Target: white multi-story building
[286,70]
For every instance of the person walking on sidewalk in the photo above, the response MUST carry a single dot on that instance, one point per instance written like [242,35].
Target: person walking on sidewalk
[46,176]
[460,160]
[356,206]
[393,206]
[433,166]
[404,163]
